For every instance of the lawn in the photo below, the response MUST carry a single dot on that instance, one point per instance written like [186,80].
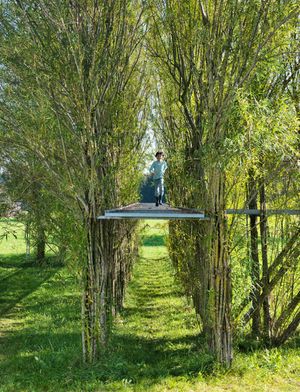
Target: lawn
[155,344]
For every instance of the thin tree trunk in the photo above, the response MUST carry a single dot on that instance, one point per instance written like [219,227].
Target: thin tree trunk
[286,313]
[41,245]
[221,278]
[291,328]
[27,239]
[255,268]
[264,253]
[268,289]
[201,291]
[286,252]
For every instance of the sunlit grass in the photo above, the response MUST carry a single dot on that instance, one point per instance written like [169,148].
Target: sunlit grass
[12,237]
[155,344]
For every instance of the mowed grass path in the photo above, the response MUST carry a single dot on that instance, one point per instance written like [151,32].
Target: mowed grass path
[154,346]
[157,333]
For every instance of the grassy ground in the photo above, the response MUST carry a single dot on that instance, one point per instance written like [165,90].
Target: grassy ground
[155,344]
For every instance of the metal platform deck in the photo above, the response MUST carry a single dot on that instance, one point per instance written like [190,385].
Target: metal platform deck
[150,211]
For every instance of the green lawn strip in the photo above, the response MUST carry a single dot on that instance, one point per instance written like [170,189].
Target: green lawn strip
[12,237]
[40,337]
[154,346]
[158,324]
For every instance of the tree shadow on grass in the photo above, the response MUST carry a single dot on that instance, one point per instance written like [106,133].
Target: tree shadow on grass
[139,360]
[153,240]
[54,360]
[39,361]
[25,278]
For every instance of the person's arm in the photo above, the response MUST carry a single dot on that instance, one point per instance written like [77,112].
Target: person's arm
[165,166]
[151,170]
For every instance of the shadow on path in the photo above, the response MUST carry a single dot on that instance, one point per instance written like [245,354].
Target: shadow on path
[157,335]
[25,278]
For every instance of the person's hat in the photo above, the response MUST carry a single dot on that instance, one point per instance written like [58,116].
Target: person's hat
[159,153]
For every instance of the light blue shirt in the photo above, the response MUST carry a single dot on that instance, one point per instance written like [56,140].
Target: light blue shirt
[158,168]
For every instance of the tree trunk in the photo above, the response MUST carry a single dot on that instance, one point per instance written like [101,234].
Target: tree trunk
[264,253]
[95,301]
[40,245]
[286,313]
[27,239]
[289,251]
[221,340]
[215,286]
[255,269]
[107,269]
[291,328]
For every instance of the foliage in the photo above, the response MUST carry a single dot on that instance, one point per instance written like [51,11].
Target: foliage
[227,109]
[72,113]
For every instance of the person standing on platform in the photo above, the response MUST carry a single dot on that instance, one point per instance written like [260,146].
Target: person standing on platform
[157,170]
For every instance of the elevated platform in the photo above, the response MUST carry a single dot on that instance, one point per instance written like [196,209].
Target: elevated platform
[150,211]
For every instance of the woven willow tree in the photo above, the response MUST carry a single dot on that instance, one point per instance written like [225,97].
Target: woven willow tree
[73,98]
[204,52]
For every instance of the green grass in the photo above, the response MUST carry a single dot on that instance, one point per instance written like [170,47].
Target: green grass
[155,344]
[12,237]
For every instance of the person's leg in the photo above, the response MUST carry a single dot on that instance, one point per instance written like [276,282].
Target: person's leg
[156,192]
[161,190]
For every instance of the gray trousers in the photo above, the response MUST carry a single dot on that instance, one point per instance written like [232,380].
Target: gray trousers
[159,187]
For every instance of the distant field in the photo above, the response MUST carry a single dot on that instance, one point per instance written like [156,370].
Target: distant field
[155,344]
[14,240]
